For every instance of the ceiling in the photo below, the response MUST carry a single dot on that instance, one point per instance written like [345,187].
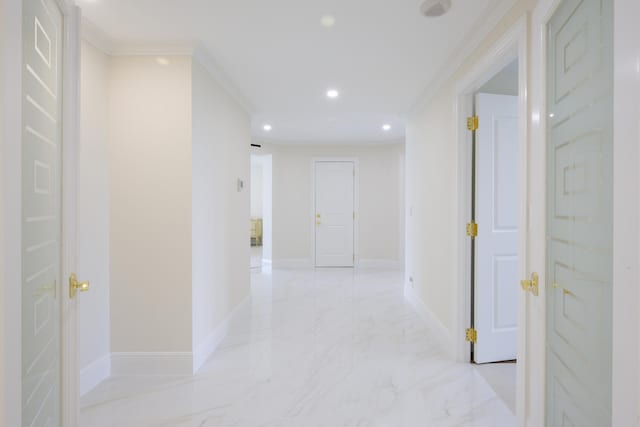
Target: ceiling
[380,55]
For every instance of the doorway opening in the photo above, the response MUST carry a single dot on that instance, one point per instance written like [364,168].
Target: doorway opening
[494,214]
[261,211]
[492,134]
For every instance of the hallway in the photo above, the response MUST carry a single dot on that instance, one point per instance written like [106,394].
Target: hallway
[312,348]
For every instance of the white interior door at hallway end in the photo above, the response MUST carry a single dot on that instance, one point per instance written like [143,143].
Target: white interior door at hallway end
[334,213]
[496,278]
[41,211]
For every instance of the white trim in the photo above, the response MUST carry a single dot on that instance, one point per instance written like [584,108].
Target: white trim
[152,364]
[513,44]
[70,134]
[202,353]
[202,56]
[626,233]
[484,25]
[96,37]
[356,205]
[94,373]
[442,334]
[292,263]
[380,264]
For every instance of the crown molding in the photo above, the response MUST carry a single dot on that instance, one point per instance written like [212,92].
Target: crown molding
[94,35]
[485,24]
[204,58]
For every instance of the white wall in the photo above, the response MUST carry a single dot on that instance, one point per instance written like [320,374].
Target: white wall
[626,292]
[381,199]
[10,202]
[150,208]
[432,189]
[93,218]
[221,139]
[256,190]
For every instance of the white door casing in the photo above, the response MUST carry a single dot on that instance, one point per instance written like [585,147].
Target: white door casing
[579,213]
[334,213]
[496,280]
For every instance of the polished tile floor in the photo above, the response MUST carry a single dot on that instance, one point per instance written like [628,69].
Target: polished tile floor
[322,348]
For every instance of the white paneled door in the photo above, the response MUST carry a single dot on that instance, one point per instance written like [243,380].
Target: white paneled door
[496,279]
[334,213]
[41,213]
[579,213]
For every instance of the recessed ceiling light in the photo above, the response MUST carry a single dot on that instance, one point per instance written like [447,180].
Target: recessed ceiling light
[333,93]
[162,61]
[435,8]
[386,127]
[328,21]
[267,128]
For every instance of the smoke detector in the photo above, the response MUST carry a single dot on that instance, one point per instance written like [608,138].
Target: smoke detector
[435,8]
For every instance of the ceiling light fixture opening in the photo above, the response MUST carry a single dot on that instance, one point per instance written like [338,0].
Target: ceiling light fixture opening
[267,128]
[435,8]
[386,127]
[332,94]
[328,21]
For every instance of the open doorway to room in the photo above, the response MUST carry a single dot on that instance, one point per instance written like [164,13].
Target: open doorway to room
[261,210]
[495,202]
[493,228]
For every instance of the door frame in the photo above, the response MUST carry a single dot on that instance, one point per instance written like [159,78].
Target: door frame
[513,44]
[10,198]
[356,204]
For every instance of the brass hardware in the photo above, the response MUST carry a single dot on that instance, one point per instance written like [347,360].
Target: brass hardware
[564,290]
[472,229]
[75,286]
[531,285]
[471,335]
[472,123]
[317,222]
[317,215]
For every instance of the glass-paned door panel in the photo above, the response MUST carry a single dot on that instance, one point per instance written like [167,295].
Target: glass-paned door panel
[579,213]
[41,213]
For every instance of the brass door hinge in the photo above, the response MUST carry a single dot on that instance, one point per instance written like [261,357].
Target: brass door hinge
[472,230]
[472,123]
[471,335]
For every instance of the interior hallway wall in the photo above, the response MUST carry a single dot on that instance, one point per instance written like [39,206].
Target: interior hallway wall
[432,189]
[150,204]
[256,190]
[220,247]
[381,200]
[93,218]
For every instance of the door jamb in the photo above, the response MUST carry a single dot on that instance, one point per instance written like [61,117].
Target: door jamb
[71,16]
[513,44]
[356,205]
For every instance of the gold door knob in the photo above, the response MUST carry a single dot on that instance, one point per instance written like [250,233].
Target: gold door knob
[75,286]
[531,285]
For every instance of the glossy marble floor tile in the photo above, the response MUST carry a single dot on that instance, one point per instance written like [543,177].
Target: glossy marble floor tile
[323,348]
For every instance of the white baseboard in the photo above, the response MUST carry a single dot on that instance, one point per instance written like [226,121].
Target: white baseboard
[152,364]
[211,343]
[381,264]
[94,373]
[443,335]
[294,263]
